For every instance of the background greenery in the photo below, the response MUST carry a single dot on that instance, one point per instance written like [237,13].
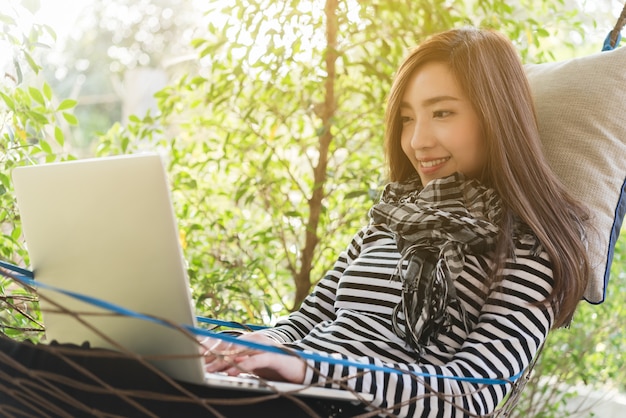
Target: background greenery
[270,123]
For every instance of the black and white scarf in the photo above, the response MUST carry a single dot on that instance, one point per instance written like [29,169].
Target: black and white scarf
[435,228]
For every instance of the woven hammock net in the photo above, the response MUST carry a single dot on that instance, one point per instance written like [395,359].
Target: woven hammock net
[46,379]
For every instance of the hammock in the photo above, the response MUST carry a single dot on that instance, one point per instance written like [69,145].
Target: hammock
[52,380]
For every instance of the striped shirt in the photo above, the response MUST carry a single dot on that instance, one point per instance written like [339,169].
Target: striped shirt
[349,314]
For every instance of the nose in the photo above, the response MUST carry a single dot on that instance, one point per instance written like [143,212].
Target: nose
[422,135]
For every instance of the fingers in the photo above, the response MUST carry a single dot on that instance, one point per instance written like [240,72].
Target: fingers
[228,357]
[219,355]
[217,347]
[273,366]
[233,359]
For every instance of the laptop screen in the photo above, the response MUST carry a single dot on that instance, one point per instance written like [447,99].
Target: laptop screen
[106,228]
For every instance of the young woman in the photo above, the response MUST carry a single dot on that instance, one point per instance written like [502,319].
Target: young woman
[473,254]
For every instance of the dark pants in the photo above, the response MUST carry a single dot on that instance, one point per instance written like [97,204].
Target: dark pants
[39,380]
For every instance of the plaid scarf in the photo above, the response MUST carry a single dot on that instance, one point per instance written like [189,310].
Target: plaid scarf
[435,228]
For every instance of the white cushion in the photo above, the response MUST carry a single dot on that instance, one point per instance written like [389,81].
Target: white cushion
[581,106]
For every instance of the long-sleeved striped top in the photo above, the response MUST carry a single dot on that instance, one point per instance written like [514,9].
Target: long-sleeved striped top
[348,316]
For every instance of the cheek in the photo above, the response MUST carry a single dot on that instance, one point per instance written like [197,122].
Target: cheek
[478,158]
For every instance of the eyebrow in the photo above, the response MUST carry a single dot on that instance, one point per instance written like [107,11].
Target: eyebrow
[431,101]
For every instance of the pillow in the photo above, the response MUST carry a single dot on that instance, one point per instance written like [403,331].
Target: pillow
[581,110]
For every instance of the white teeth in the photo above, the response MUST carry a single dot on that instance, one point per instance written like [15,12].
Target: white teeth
[432,163]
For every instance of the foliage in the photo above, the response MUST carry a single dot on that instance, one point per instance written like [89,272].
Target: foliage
[589,352]
[277,126]
[32,123]
[273,145]
[111,42]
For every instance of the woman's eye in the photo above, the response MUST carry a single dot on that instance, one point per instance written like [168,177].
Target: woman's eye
[405,119]
[441,113]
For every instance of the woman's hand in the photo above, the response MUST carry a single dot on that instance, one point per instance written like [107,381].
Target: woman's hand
[219,355]
[233,359]
[272,366]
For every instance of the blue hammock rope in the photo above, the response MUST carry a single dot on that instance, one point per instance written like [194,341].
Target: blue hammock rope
[615,36]
[610,43]
[27,277]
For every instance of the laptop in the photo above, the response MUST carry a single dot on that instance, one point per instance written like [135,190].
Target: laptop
[106,228]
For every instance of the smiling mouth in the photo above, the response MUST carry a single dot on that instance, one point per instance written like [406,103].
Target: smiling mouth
[433,163]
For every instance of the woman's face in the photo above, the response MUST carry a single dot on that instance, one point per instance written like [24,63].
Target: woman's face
[441,132]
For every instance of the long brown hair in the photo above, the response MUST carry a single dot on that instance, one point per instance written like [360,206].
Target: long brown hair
[490,72]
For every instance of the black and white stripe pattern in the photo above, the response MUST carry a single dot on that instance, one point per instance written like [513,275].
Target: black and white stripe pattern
[349,316]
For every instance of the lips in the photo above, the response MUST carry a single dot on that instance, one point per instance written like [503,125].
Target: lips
[432,163]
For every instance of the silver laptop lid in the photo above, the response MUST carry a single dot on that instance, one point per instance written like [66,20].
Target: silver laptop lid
[105,228]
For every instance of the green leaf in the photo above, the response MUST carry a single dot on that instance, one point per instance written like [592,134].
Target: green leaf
[58,136]
[8,20]
[16,233]
[37,117]
[8,101]
[33,6]
[66,104]
[45,147]
[195,43]
[18,71]
[31,62]
[71,119]
[51,32]
[47,91]
[4,179]
[356,193]
[124,144]
[36,94]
